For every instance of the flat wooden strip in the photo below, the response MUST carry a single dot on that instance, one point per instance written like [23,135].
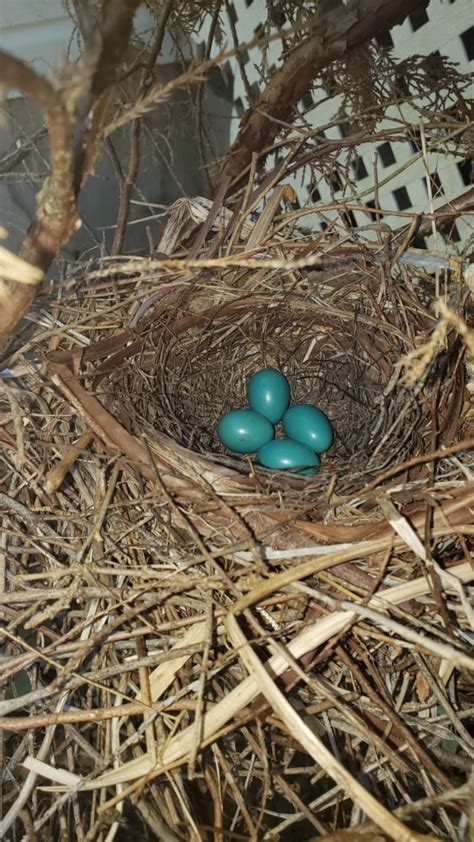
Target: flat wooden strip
[62,776]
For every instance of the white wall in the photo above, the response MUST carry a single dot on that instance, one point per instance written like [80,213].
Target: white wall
[42,33]
[36,31]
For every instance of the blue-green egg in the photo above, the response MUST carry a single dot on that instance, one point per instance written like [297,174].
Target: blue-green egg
[288,455]
[269,393]
[244,431]
[307,424]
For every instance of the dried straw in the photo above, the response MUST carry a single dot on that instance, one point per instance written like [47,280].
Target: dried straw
[282,655]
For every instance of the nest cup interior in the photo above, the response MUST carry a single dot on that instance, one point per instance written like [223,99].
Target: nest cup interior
[207,375]
[190,371]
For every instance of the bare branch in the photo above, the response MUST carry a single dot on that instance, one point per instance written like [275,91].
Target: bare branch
[115,27]
[160,33]
[127,187]
[54,218]
[12,159]
[134,161]
[446,214]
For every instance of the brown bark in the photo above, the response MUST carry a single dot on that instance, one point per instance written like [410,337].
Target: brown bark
[337,30]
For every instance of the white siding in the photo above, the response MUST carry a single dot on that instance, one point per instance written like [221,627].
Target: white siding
[38,31]
[41,32]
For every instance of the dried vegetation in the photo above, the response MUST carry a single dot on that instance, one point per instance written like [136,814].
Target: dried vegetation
[194,647]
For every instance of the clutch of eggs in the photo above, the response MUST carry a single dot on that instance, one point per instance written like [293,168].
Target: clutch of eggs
[307,429]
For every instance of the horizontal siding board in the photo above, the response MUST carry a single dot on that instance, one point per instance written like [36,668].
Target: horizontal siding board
[15,13]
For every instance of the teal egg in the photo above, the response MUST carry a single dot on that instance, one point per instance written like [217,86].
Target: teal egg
[288,455]
[244,431]
[269,393]
[307,424]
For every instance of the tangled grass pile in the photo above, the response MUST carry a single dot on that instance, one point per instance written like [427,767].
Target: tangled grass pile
[199,648]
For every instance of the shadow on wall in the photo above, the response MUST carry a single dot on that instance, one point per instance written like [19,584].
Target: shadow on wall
[174,156]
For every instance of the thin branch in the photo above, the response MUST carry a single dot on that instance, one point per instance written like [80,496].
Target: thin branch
[126,188]
[160,33]
[134,160]
[12,159]
[201,131]
[446,214]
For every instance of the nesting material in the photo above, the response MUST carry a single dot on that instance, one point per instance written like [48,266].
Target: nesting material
[217,648]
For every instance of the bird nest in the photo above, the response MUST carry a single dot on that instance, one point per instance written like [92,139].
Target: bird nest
[343,345]
[273,650]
